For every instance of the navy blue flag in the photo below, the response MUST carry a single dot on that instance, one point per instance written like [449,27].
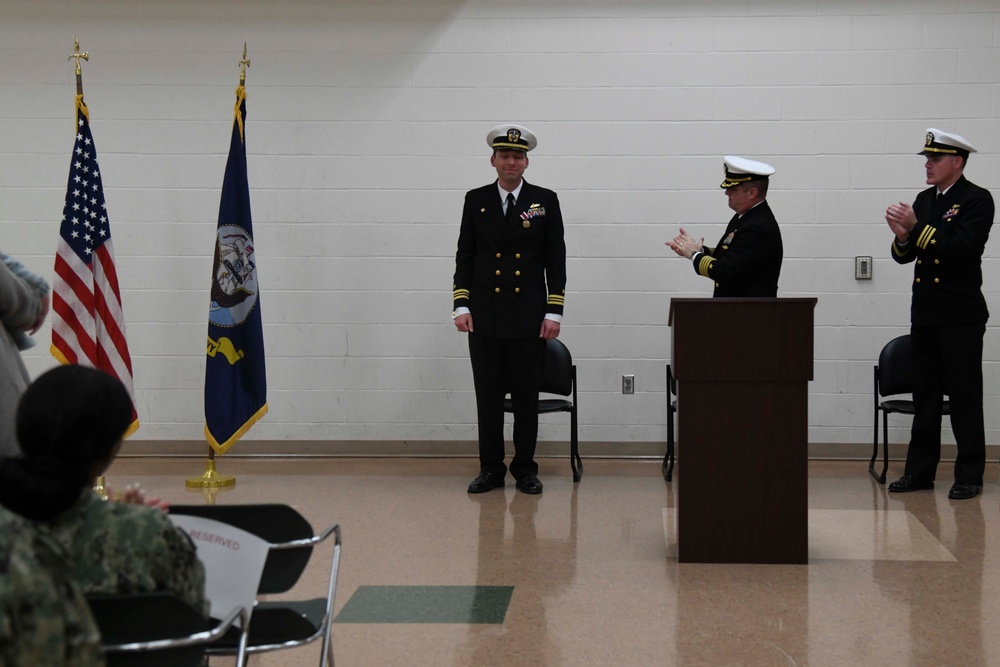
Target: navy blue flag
[235,380]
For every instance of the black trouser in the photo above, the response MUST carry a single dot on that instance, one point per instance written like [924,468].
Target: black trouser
[501,366]
[948,360]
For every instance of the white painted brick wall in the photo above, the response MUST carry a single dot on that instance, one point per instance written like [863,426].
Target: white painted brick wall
[366,126]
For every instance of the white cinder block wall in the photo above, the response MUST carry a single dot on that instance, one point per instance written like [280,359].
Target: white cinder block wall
[367,123]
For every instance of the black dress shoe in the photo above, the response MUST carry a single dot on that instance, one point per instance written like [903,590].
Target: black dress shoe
[964,491]
[529,484]
[908,483]
[486,481]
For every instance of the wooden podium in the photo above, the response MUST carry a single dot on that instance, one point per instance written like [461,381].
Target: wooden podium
[742,369]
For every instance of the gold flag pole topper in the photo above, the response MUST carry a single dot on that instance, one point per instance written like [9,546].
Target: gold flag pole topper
[243,65]
[79,72]
[210,479]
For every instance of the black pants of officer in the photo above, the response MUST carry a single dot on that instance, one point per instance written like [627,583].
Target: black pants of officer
[501,366]
[948,360]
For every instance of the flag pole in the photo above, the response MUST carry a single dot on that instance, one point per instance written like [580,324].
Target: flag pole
[99,488]
[99,485]
[211,479]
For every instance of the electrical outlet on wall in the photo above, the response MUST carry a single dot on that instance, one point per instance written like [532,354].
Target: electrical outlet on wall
[863,267]
[628,384]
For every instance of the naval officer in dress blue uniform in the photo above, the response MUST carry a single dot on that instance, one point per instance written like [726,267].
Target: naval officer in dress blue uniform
[747,261]
[944,234]
[509,289]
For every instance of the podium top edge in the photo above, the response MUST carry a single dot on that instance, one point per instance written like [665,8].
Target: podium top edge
[679,301]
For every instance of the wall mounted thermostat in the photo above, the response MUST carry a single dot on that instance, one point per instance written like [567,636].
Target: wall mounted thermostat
[863,268]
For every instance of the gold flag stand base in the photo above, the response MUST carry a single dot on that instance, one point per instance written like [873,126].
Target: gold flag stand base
[99,488]
[210,479]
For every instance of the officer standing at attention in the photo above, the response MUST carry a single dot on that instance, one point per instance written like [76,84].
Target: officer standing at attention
[510,285]
[747,261]
[945,233]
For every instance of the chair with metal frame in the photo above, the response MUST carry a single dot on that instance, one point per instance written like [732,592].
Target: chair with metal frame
[279,624]
[559,377]
[893,375]
[160,630]
[668,458]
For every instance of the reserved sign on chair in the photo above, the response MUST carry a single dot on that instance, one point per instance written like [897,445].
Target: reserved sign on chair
[233,559]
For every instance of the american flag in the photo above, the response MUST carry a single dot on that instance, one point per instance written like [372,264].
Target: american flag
[88,327]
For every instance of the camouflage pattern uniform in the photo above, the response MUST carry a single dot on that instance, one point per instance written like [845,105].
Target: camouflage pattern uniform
[44,619]
[126,548]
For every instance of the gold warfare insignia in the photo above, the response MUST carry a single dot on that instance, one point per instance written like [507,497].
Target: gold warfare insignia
[513,135]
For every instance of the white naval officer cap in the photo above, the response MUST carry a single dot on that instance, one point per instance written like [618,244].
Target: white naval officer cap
[741,170]
[937,142]
[510,137]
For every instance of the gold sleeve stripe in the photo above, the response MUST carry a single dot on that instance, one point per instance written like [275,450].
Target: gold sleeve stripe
[557,300]
[925,237]
[461,294]
[705,265]
[923,234]
[901,252]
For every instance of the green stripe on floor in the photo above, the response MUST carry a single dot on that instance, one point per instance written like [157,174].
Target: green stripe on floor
[427,604]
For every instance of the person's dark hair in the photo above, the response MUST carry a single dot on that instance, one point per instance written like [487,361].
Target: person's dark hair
[761,186]
[68,420]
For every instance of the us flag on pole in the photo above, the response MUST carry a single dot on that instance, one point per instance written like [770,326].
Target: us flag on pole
[88,328]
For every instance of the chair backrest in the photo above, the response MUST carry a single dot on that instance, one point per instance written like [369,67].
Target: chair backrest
[143,617]
[895,367]
[557,374]
[274,523]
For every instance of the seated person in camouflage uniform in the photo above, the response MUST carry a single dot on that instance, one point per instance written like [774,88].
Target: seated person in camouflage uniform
[70,424]
[44,619]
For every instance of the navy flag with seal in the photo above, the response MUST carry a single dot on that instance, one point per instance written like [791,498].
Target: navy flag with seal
[235,379]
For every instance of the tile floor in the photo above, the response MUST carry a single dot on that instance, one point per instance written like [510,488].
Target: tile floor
[591,573]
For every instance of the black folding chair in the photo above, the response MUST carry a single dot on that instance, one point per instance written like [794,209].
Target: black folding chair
[279,624]
[668,458]
[160,630]
[893,375]
[559,377]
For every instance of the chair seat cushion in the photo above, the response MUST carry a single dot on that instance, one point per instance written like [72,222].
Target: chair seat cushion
[277,623]
[544,405]
[906,407]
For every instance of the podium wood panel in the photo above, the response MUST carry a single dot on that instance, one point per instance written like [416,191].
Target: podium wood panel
[742,369]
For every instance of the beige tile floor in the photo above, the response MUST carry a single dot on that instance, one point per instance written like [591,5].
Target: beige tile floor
[900,580]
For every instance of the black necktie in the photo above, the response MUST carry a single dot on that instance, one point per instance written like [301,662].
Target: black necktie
[511,208]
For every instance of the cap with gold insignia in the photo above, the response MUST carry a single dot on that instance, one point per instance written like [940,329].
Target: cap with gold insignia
[511,138]
[741,170]
[945,143]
